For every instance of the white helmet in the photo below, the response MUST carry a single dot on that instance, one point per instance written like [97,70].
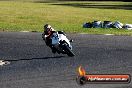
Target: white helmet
[48,27]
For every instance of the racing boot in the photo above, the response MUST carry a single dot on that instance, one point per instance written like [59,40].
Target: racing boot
[53,49]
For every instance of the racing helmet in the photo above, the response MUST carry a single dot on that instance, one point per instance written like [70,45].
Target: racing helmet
[48,28]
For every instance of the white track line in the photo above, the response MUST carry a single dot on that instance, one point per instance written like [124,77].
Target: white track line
[108,34]
[24,31]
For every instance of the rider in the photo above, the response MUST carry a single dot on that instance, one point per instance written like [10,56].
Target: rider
[48,31]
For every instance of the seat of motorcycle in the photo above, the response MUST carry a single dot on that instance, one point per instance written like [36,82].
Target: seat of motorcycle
[60,32]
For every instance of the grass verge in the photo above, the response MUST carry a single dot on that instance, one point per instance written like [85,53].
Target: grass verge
[66,16]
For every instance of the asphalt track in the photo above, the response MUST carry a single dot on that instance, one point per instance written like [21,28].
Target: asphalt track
[32,65]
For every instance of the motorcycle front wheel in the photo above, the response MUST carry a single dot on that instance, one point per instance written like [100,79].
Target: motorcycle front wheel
[68,51]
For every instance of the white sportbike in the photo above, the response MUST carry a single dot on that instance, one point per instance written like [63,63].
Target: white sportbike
[62,44]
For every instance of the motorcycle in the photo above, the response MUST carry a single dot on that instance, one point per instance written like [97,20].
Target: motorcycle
[62,44]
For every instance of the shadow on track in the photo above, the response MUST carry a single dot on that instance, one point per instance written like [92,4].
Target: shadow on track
[42,58]
[97,5]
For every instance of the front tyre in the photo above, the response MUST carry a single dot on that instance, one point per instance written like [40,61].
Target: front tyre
[68,51]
